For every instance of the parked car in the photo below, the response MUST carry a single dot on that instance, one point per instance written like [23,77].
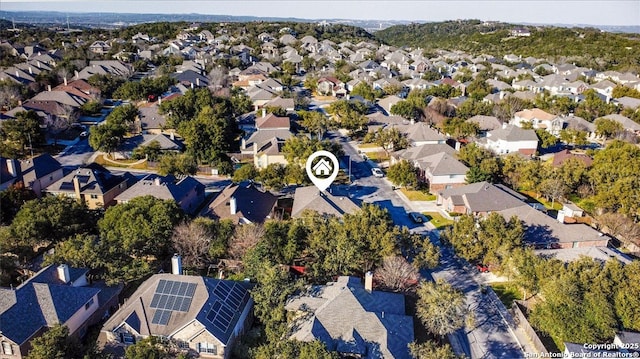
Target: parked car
[416,217]
[377,172]
[84,134]
[482,268]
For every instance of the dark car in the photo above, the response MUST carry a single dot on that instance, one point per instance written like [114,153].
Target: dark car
[416,217]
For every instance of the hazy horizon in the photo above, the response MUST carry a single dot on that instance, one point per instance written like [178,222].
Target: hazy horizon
[585,12]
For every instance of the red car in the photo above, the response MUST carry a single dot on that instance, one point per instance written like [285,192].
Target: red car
[482,268]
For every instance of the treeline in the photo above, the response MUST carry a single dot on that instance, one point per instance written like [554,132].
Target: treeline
[587,47]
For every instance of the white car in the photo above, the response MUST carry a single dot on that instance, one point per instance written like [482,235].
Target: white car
[377,172]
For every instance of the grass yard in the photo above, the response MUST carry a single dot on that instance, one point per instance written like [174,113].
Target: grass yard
[101,160]
[507,292]
[438,220]
[377,156]
[368,145]
[414,195]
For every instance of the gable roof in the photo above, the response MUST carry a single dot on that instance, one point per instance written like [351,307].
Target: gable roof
[512,134]
[535,113]
[262,137]
[165,142]
[161,187]
[251,204]
[324,203]
[201,299]
[349,319]
[42,301]
[482,197]
[92,180]
[30,169]
[419,132]
[419,152]
[486,123]
[271,121]
[560,157]
[442,164]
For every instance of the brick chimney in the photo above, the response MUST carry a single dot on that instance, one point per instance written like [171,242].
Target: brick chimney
[76,187]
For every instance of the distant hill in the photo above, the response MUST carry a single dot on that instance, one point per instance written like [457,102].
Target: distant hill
[587,47]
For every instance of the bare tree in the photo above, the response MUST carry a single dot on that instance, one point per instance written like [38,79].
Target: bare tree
[621,226]
[9,96]
[191,241]
[218,78]
[441,308]
[397,274]
[244,238]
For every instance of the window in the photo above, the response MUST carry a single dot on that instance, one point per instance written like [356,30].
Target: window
[94,196]
[89,304]
[6,348]
[183,345]
[207,348]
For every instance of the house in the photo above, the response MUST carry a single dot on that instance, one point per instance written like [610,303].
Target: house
[287,104]
[564,155]
[601,254]
[542,231]
[486,123]
[414,154]
[187,192]
[628,102]
[93,185]
[242,204]
[627,123]
[441,171]
[166,143]
[272,122]
[36,173]
[419,133]
[353,319]
[388,102]
[508,139]
[324,203]
[150,121]
[201,314]
[539,119]
[55,294]
[322,168]
[331,86]
[99,47]
[479,199]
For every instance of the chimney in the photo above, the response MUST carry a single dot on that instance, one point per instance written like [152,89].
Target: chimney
[504,125]
[172,136]
[233,205]
[255,148]
[368,281]
[156,181]
[63,273]
[264,112]
[76,187]
[11,167]
[65,80]
[30,71]
[39,64]
[76,75]
[49,88]
[198,82]
[176,264]
[159,100]
[17,74]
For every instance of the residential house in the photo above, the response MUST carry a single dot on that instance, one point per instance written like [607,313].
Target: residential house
[542,231]
[508,139]
[324,203]
[441,171]
[93,185]
[539,119]
[485,124]
[202,314]
[353,319]
[564,155]
[600,254]
[36,173]
[242,204]
[287,104]
[578,123]
[627,123]
[272,122]
[388,102]
[417,153]
[150,120]
[479,199]
[604,88]
[99,47]
[104,67]
[419,133]
[628,102]
[166,143]
[187,192]
[56,294]
[331,86]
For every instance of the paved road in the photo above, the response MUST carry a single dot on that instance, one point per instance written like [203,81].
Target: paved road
[490,337]
[76,155]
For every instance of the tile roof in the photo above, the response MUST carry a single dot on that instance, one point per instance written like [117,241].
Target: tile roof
[251,203]
[309,198]
[207,295]
[349,319]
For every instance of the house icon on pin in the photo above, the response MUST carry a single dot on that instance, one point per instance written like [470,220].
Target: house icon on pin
[322,168]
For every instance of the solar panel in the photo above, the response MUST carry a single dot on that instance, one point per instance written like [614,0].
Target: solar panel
[185,305]
[155,300]
[167,288]
[221,290]
[177,304]
[163,301]
[183,288]
[165,316]
[169,305]
[176,288]
[156,317]
[161,285]
[191,289]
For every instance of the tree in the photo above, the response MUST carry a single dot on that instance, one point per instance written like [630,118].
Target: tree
[177,164]
[403,174]
[553,189]
[57,217]
[106,137]
[621,226]
[141,227]
[627,299]
[201,239]
[272,176]
[460,128]
[22,131]
[316,122]
[390,139]
[147,348]
[80,250]
[546,139]
[364,90]
[608,128]
[622,91]
[297,149]
[244,238]
[431,350]
[397,274]
[151,152]
[350,115]
[574,137]
[441,308]
[55,343]
[407,109]
[247,172]
[294,349]
[12,199]
[91,107]
[593,106]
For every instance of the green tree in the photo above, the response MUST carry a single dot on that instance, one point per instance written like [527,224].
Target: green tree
[141,227]
[407,109]
[441,308]
[297,149]
[177,164]
[80,250]
[91,107]
[365,91]
[272,176]
[247,172]
[390,139]
[460,128]
[12,199]
[22,131]
[106,137]
[403,174]
[151,152]
[546,139]
[593,106]
[608,128]
[55,343]
[574,137]
[431,350]
[316,122]
[627,299]
[622,91]
[349,115]
[148,348]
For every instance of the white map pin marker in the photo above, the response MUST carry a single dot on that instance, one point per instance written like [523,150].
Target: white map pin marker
[324,171]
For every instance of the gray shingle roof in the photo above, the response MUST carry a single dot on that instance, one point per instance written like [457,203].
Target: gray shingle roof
[442,164]
[513,134]
[482,197]
[350,319]
[324,203]
[92,181]
[162,187]
[251,203]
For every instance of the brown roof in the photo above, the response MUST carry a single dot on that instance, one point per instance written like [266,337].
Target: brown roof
[272,121]
[560,157]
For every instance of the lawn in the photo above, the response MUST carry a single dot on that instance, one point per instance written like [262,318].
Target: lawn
[100,159]
[413,195]
[547,204]
[507,292]
[377,156]
[437,220]
[368,145]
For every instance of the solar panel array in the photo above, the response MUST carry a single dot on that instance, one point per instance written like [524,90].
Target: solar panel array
[230,299]
[171,296]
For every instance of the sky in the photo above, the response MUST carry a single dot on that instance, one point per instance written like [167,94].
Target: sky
[589,12]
